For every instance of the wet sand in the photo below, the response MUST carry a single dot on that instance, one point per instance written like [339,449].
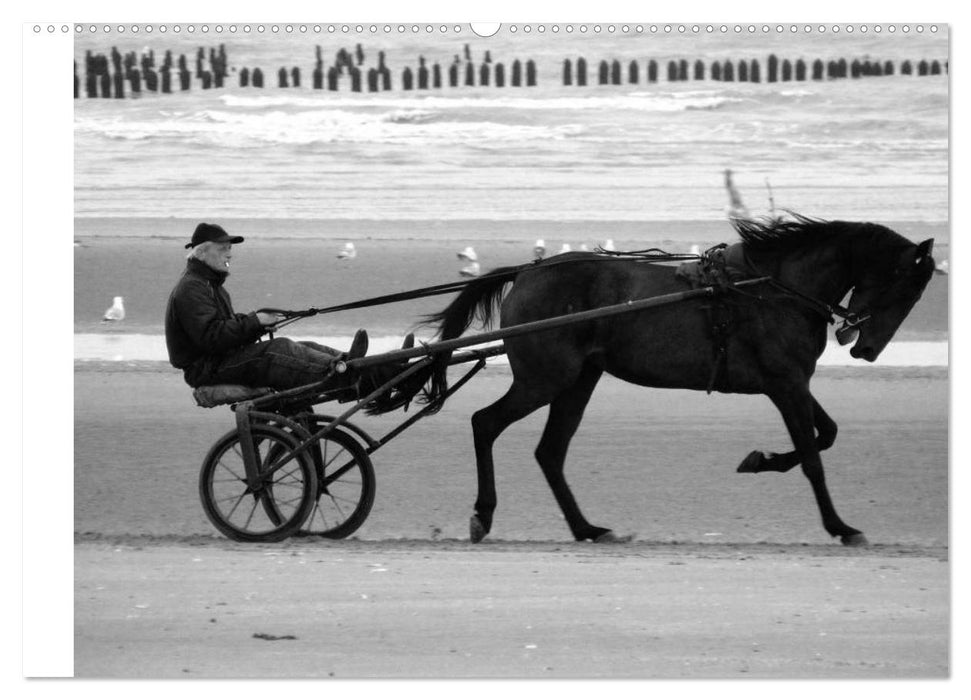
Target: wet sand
[729,575]
[423,609]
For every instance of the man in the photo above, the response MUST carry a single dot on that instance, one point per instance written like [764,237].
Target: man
[212,344]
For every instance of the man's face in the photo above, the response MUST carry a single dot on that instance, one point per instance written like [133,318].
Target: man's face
[218,255]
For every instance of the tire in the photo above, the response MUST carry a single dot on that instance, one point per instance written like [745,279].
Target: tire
[343,500]
[274,511]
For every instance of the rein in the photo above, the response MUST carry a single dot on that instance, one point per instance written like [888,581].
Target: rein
[851,320]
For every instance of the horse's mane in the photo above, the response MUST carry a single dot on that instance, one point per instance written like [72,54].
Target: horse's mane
[781,235]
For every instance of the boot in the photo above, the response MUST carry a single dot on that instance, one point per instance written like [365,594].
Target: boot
[358,345]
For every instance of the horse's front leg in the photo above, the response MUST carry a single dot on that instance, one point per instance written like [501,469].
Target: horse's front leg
[796,405]
[758,461]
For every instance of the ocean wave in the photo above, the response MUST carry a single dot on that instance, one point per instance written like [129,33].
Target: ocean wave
[657,101]
[238,129]
[137,347]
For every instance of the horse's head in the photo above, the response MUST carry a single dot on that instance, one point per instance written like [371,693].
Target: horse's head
[883,296]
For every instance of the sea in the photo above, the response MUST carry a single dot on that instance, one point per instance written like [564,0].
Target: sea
[414,177]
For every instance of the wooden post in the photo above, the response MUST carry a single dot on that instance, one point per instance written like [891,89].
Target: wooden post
[453,75]
[372,80]
[817,69]
[359,54]
[922,68]
[257,78]
[135,79]
[856,69]
[119,80]
[166,80]
[728,72]
[244,77]
[632,73]
[682,69]
[786,70]
[282,80]
[484,74]
[295,77]
[517,74]
[832,71]
[652,71]
[469,74]
[800,69]
[602,73]
[385,78]
[841,67]
[500,75]
[151,80]
[406,79]
[567,72]
[581,71]
[773,68]
[754,71]
[437,76]
[742,72]
[615,72]
[530,73]
[106,83]
[422,74]
[935,68]
[672,71]
[206,79]
[888,68]
[355,74]
[333,76]
[699,70]
[906,68]
[716,70]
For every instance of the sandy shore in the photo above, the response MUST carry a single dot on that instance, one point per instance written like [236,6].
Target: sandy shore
[413,609]
[730,576]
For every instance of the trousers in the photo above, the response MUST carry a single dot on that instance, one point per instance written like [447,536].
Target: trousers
[280,364]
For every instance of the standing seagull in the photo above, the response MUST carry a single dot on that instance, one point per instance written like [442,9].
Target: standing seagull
[116,312]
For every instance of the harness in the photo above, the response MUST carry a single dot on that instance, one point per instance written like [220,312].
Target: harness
[720,266]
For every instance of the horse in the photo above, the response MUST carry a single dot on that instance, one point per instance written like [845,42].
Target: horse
[775,332]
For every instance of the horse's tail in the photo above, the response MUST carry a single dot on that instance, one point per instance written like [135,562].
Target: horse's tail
[479,300]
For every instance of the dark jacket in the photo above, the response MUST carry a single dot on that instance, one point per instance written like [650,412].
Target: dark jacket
[200,325]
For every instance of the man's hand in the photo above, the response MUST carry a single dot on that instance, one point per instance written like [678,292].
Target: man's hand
[268,319]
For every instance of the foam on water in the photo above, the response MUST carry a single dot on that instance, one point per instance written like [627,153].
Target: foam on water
[144,347]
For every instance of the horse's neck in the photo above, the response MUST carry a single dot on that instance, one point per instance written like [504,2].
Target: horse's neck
[825,273]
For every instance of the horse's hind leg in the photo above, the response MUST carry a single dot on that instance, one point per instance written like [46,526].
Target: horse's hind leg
[758,461]
[796,405]
[487,424]
[566,411]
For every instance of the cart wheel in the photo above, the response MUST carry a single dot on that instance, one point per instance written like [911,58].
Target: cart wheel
[345,487]
[273,511]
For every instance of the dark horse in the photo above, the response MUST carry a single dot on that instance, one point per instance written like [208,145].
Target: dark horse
[776,334]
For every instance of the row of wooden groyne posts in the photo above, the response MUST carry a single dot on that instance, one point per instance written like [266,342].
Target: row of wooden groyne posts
[116,74]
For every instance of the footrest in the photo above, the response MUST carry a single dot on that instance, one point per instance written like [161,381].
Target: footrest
[221,394]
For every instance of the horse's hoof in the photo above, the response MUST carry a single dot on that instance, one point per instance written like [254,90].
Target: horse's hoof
[610,538]
[752,463]
[855,540]
[477,531]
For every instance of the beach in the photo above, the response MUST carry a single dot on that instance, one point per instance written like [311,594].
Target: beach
[726,575]
[159,594]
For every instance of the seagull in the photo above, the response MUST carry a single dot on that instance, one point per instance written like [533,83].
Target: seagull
[347,252]
[608,244]
[470,270]
[695,249]
[565,249]
[539,248]
[468,254]
[116,312]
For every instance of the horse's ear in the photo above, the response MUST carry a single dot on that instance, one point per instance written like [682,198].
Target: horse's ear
[923,250]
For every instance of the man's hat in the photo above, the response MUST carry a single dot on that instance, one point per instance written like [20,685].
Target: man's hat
[211,232]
